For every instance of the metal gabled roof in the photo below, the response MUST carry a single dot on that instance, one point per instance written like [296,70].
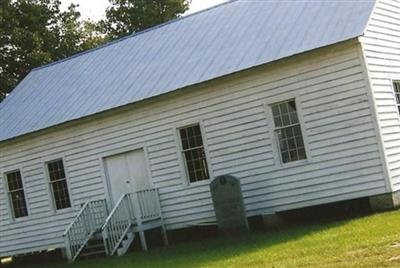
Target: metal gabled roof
[216,42]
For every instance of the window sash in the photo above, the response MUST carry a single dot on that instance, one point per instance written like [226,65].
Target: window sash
[60,196]
[194,148]
[288,126]
[18,203]
[199,169]
[293,152]
[285,113]
[56,170]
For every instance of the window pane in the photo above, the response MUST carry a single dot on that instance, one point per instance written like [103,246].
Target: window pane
[284,146]
[275,110]
[183,133]
[292,106]
[284,108]
[293,155]
[286,119]
[297,130]
[299,142]
[293,118]
[302,153]
[185,143]
[285,157]
[291,143]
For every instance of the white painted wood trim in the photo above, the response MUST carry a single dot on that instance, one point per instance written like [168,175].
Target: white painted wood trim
[105,182]
[114,152]
[148,166]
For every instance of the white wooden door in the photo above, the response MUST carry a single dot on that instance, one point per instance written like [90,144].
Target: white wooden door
[127,173]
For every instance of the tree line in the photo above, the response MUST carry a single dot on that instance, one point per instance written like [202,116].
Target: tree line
[37,32]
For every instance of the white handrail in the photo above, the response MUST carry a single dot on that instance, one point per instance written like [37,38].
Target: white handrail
[113,211]
[131,209]
[75,219]
[88,221]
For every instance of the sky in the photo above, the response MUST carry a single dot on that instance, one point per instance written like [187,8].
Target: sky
[94,9]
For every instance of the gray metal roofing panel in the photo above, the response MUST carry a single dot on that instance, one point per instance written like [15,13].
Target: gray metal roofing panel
[197,48]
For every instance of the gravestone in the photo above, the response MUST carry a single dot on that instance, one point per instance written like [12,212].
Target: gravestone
[228,205]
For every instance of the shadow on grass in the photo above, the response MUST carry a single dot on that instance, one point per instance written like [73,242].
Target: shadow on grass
[213,250]
[205,253]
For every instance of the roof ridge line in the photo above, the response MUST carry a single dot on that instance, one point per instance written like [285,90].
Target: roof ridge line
[132,35]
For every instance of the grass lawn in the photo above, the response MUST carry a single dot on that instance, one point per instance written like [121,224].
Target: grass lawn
[372,241]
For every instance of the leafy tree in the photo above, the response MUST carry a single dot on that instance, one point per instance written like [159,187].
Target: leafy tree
[128,16]
[36,32]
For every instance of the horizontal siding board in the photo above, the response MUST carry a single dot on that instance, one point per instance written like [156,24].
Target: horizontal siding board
[260,182]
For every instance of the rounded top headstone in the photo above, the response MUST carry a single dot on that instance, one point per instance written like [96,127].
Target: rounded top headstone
[228,204]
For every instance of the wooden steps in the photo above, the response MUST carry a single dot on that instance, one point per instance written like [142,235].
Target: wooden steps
[94,248]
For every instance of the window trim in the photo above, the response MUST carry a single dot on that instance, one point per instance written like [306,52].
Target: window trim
[181,159]
[272,134]
[52,202]
[10,207]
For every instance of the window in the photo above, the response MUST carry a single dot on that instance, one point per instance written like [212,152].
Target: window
[396,86]
[193,153]
[16,194]
[288,131]
[58,184]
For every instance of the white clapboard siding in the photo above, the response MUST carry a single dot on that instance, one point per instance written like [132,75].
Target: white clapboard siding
[381,45]
[331,90]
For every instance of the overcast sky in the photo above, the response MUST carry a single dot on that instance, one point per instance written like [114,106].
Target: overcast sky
[94,9]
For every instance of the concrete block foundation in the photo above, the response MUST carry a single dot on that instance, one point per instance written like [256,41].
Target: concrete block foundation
[385,202]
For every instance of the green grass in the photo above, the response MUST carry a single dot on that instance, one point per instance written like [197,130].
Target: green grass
[364,242]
